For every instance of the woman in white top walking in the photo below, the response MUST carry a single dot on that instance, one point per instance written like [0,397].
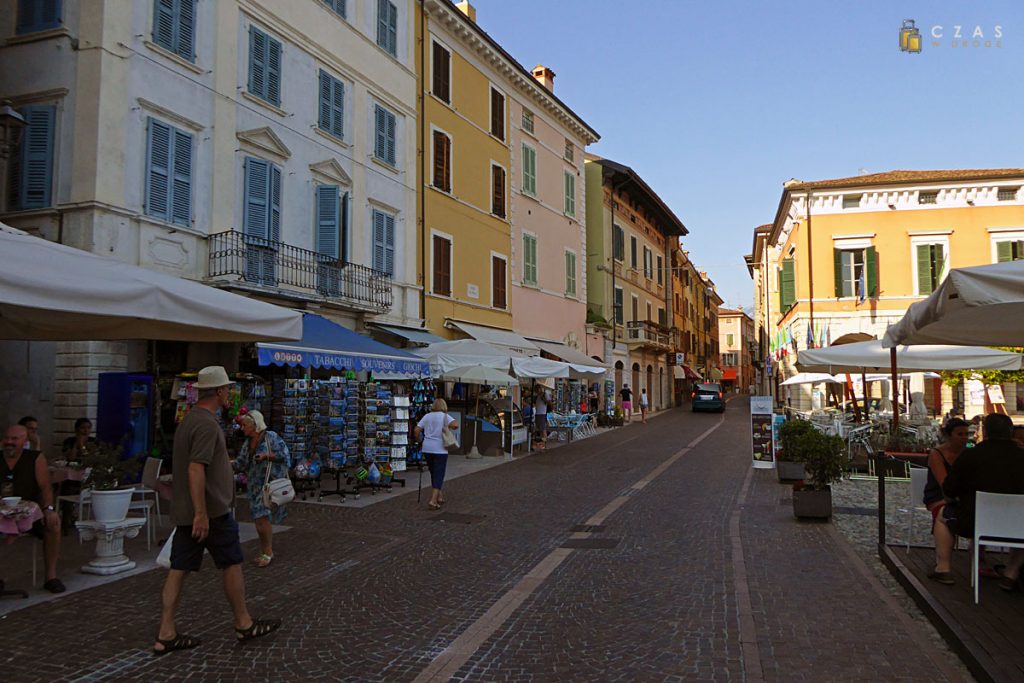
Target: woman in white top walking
[643,406]
[435,453]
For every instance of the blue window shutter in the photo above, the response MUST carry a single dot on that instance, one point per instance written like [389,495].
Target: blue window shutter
[392,28]
[324,117]
[327,223]
[257,62]
[382,23]
[390,119]
[273,71]
[184,45]
[343,246]
[181,179]
[275,203]
[38,15]
[389,245]
[163,23]
[338,108]
[254,219]
[337,5]
[378,240]
[380,147]
[33,177]
[158,169]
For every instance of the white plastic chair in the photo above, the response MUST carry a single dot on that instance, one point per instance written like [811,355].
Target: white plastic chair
[83,505]
[998,521]
[918,479]
[147,487]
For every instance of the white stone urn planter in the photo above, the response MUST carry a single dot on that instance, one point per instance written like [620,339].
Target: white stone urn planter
[111,506]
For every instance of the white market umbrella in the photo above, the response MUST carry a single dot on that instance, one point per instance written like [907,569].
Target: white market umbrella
[54,292]
[811,378]
[479,374]
[977,305]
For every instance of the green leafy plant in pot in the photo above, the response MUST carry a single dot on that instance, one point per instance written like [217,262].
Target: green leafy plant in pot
[108,481]
[790,467]
[824,458]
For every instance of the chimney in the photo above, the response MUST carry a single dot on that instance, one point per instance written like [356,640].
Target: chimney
[545,76]
[468,10]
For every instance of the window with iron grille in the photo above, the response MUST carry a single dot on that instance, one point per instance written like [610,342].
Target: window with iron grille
[928,198]
[1007,194]
[527,120]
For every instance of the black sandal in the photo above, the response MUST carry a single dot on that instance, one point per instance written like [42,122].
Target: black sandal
[259,628]
[178,642]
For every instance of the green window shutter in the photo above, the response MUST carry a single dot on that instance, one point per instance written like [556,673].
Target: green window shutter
[924,269]
[1004,252]
[871,263]
[837,261]
[782,298]
[529,259]
[570,273]
[939,259]
[788,283]
[1017,253]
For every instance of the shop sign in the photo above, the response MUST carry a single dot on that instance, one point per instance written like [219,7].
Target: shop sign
[762,443]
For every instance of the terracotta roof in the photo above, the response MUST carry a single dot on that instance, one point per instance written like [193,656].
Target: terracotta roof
[905,177]
[621,173]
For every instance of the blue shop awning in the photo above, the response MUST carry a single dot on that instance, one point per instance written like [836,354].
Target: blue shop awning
[325,344]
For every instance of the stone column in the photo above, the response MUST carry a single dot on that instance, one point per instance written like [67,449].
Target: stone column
[77,366]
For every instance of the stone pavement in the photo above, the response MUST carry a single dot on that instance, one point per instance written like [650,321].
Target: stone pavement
[651,553]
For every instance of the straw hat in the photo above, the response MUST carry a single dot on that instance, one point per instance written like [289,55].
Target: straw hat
[213,377]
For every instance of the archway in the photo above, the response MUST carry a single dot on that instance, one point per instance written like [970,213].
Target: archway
[650,385]
[635,385]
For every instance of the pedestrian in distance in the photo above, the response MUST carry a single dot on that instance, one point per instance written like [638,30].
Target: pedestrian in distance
[262,449]
[626,394]
[643,406]
[541,404]
[430,431]
[204,487]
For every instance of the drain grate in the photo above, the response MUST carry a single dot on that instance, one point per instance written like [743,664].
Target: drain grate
[456,518]
[590,543]
[588,528]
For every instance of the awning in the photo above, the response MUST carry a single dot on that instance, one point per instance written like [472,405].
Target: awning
[51,291]
[413,334]
[714,374]
[684,372]
[325,344]
[870,356]
[496,337]
[567,353]
[729,374]
[449,355]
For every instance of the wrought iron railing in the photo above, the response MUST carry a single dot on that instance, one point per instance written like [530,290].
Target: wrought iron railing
[647,332]
[266,263]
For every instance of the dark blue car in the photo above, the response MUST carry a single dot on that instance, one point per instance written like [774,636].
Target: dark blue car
[708,397]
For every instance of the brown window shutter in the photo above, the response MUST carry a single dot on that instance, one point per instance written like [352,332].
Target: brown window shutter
[442,262]
[497,114]
[446,86]
[442,161]
[498,276]
[435,86]
[498,191]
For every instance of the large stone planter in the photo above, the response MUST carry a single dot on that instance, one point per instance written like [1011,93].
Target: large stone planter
[109,507]
[812,503]
[789,471]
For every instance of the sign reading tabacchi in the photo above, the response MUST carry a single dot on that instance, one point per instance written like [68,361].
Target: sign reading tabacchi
[761,431]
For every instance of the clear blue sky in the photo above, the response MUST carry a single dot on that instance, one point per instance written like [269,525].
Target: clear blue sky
[717,103]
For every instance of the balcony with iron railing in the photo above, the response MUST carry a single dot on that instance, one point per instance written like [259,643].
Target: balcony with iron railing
[289,270]
[645,333]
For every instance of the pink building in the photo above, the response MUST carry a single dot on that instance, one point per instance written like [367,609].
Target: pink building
[548,218]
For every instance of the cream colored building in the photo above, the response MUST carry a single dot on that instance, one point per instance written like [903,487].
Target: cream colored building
[265,146]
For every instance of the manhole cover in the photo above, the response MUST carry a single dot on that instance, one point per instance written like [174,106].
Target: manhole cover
[457,518]
[589,528]
[590,543]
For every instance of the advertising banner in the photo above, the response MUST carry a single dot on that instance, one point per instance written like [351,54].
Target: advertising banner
[762,443]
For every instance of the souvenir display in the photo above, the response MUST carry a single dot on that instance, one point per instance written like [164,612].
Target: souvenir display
[422,397]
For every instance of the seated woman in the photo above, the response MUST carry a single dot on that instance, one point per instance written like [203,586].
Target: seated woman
[940,460]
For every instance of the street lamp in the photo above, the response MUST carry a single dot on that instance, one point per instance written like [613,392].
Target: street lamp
[11,126]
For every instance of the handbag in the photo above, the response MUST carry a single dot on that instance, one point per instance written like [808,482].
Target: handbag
[279,491]
[447,438]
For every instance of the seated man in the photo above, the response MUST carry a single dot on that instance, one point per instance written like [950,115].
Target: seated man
[23,473]
[996,465]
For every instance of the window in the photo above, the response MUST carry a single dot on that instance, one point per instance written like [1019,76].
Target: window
[662,319]
[648,318]
[497,114]
[442,161]
[570,194]
[648,265]
[635,308]
[38,15]
[384,135]
[851,201]
[497,281]
[383,242]
[927,197]
[570,273]
[387,26]
[618,243]
[632,252]
[728,342]
[787,285]
[568,150]
[618,305]
[529,170]
[442,279]
[261,221]
[729,359]
[497,191]
[1009,250]
[31,170]
[856,272]
[332,222]
[529,259]
[441,74]
[264,66]
[168,173]
[1007,194]
[661,264]
[174,27]
[527,120]
[338,6]
[332,105]
[931,264]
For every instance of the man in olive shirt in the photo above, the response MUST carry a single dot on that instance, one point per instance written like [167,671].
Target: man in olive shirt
[201,510]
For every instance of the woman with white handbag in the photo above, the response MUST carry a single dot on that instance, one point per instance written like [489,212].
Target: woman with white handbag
[435,430]
[265,460]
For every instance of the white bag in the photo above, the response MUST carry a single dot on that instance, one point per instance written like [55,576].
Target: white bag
[164,558]
[279,491]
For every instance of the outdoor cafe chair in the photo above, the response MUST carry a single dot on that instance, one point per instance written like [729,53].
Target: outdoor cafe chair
[148,485]
[918,479]
[998,521]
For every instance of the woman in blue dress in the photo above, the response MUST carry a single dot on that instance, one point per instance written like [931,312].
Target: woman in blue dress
[262,449]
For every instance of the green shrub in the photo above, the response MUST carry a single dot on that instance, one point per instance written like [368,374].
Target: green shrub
[788,433]
[823,456]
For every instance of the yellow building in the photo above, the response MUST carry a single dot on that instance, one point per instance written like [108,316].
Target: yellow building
[849,255]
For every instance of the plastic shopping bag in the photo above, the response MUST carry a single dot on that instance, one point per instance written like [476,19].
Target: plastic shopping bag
[164,558]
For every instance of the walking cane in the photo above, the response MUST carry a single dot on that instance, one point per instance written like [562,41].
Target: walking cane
[419,486]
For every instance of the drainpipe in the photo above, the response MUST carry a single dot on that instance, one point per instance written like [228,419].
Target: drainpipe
[810,260]
[421,106]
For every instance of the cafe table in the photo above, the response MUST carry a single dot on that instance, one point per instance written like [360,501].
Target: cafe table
[15,521]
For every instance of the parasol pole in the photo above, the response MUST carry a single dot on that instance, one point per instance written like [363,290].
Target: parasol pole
[474,452]
[864,390]
[895,392]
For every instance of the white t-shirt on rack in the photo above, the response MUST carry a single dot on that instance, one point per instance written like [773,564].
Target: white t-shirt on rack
[432,424]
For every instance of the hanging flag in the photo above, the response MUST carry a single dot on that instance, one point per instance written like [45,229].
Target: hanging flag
[862,288]
[828,334]
[810,336]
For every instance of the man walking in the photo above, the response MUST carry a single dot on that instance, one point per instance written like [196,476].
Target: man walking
[643,406]
[203,490]
[626,394]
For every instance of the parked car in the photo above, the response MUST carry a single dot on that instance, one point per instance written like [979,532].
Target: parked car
[708,397]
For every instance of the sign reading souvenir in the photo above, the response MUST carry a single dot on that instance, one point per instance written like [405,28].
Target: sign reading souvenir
[762,442]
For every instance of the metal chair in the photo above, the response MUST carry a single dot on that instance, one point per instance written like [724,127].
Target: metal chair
[998,521]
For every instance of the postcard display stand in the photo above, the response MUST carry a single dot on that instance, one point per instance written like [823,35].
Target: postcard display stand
[294,412]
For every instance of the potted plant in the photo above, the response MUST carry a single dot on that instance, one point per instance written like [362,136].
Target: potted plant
[904,446]
[824,458]
[789,467]
[109,481]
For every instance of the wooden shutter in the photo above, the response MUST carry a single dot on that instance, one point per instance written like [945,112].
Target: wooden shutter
[158,168]
[181,178]
[442,266]
[529,170]
[343,238]
[440,81]
[273,71]
[38,15]
[924,269]
[31,169]
[442,162]
[788,283]
[389,120]
[497,114]
[529,259]
[570,273]
[254,220]
[257,62]
[871,263]
[939,261]
[327,220]
[164,22]
[498,282]
[837,262]
[275,203]
[324,109]
[498,191]
[379,240]
[570,195]
[380,129]
[382,23]
[1004,252]
[184,43]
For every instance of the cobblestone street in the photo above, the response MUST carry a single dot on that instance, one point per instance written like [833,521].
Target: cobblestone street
[650,553]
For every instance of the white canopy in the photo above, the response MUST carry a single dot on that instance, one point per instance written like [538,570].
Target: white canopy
[447,356]
[872,357]
[50,291]
[479,374]
[503,339]
[977,305]
[810,378]
[569,354]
